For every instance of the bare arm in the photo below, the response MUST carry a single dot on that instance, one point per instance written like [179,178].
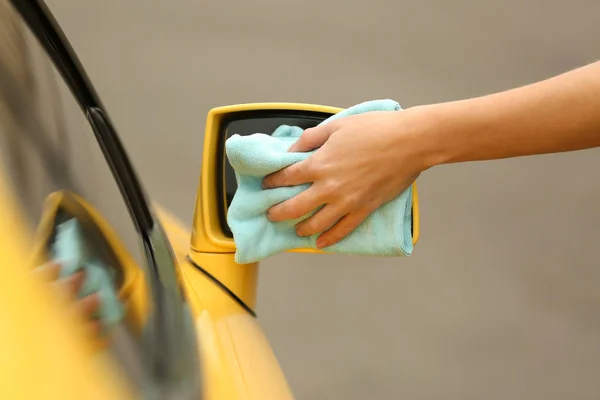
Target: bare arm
[366,160]
[556,115]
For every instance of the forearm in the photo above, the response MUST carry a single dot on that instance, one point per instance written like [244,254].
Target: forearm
[556,115]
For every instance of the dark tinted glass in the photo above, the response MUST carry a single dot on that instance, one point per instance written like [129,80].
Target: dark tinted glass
[248,123]
[47,146]
[46,142]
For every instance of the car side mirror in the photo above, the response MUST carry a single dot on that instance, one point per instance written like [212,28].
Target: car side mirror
[217,182]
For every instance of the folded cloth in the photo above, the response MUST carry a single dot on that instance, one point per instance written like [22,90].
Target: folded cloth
[72,252]
[386,232]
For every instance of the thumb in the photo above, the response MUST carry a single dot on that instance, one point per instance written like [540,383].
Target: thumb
[313,138]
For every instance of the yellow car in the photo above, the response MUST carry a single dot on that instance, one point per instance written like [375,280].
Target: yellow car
[189,327]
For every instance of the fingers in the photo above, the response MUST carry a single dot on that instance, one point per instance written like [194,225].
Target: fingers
[47,272]
[299,173]
[342,229]
[72,284]
[94,327]
[295,174]
[320,222]
[69,289]
[89,305]
[313,138]
[295,207]
[85,309]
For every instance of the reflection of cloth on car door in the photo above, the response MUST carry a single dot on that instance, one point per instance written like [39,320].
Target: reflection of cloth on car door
[72,252]
[386,232]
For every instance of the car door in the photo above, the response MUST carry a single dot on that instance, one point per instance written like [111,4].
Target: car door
[64,162]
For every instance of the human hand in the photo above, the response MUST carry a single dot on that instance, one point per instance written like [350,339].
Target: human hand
[68,288]
[362,162]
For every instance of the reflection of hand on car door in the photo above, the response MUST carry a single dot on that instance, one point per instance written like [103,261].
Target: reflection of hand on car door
[68,289]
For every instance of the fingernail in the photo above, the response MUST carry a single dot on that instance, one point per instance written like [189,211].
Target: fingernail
[300,232]
[291,148]
[322,243]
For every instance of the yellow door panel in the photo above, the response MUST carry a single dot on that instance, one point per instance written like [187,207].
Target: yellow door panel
[237,359]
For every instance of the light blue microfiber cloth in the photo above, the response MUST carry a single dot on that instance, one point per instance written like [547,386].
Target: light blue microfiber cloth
[386,232]
[72,252]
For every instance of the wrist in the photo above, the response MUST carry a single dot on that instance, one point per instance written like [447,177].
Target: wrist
[428,124]
[446,132]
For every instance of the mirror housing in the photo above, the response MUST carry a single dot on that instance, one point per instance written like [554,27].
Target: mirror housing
[210,232]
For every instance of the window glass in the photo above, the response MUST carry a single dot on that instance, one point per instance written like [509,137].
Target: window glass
[47,146]
[46,142]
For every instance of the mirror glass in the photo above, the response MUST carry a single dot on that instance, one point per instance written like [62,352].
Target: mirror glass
[248,123]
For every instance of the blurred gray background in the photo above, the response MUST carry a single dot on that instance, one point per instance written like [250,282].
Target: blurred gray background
[502,296]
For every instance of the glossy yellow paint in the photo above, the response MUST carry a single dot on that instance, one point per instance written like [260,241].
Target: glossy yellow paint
[240,279]
[43,354]
[237,359]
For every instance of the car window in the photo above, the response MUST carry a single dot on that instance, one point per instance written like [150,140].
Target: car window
[48,146]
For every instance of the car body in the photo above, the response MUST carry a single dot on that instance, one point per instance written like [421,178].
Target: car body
[190,329]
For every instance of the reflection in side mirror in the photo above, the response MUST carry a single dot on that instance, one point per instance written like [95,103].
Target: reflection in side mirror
[218,183]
